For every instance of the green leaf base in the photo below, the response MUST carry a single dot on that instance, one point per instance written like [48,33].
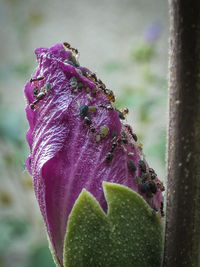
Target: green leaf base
[130,234]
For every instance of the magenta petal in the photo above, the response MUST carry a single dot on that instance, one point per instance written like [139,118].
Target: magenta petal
[66,153]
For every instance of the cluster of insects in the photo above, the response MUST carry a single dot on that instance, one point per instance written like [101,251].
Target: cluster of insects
[38,93]
[147,183]
[85,112]
[91,76]
[116,141]
[101,86]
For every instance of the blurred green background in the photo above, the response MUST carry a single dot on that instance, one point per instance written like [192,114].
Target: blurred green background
[125,42]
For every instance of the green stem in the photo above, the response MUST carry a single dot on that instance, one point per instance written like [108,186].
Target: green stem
[182,240]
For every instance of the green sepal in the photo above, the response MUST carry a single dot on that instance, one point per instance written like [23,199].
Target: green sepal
[130,234]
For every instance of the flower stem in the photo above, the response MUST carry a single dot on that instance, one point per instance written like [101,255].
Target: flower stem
[182,238]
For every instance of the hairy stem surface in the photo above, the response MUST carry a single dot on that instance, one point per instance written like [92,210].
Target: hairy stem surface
[182,240]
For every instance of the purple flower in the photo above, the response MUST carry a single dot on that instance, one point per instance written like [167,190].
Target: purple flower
[77,141]
[152,32]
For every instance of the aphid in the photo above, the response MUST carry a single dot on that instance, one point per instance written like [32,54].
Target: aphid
[84,73]
[153,187]
[119,140]
[125,141]
[39,78]
[104,130]
[92,129]
[68,46]
[161,209]
[109,156]
[145,177]
[94,92]
[108,107]
[87,121]
[142,165]
[73,82]
[153,176]
[131,132]
[92,109]
[98,138]
[80,85]
[83,110]
[101,84]
[75,50]
[32,105]
[114,145]
[161,186]
[140,145]
[124,111]
[138,180]
[48,87]
[131,165]
[93,75]
[109,95]
[124,138]
[151,170]
[120,114]
[93,78]
[144,187]
[35,91]
[152,173]
[41,95]
[114,133]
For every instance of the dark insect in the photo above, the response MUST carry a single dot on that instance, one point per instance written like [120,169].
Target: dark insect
[124,111]
[161,186]
[39,78]
[108,107]
[73,82]
[109,95]
[92,129]
[153,187]
[144,187]
[83,111]
[161,209]
[131,132]
[39,95]
[142,165]
[131,165]
[120,114]
[109,156]
[87,121]
[68,46]
[35,91]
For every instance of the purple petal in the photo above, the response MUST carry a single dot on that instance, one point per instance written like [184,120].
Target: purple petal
[66,153]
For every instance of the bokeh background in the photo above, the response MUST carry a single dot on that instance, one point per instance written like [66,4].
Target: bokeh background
[126,43]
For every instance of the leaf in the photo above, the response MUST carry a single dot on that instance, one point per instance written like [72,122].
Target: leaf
[130,234]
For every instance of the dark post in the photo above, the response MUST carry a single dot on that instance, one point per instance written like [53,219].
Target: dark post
[182,240]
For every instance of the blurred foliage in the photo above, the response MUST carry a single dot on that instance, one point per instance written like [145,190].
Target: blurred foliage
[144,52]
[40,256]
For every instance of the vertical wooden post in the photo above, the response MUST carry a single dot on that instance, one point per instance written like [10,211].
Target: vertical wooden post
[182,239]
